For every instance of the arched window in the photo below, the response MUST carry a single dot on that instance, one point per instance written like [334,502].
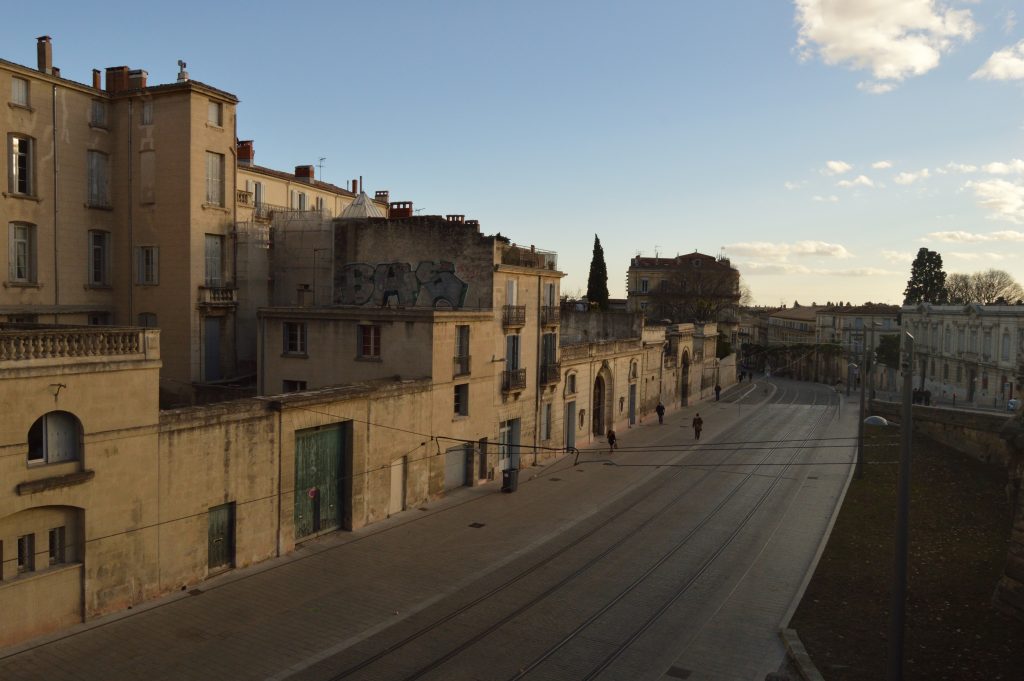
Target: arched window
[55,437]
[632,370]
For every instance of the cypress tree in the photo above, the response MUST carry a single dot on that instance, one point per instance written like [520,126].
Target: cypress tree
[597,283]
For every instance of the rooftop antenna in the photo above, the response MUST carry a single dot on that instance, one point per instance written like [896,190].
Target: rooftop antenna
[320,167]
[656,247]
[182,73]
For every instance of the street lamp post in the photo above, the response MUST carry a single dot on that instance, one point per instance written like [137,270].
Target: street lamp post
[899,587]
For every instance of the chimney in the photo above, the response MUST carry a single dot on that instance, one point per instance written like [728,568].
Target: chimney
[475,223]
[382,195]
[355,186]
[400,209]
[44,50]
[56,71]
[137,79]
[182,73]
[97,83]
[246,153]
[117,79]
[304,173]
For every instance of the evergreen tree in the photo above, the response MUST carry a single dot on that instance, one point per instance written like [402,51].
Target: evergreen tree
[597,283]
[927,281]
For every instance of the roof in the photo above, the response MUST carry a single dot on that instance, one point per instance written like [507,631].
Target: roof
[282,175]
[640,262]
[362,207]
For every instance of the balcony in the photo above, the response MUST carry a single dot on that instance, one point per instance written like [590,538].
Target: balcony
[513,380]
[218,296]
[243,198]
[63,345]
[550,315]
[550,373]
[513,315]
[529,257]
[461,365]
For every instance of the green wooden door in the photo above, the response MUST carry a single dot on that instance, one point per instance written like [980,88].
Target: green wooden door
[221,536]
[318,476]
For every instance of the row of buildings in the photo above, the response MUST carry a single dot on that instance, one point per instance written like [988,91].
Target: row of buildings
[378,359]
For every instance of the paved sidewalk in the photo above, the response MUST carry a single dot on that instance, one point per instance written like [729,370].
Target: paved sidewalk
[283,615]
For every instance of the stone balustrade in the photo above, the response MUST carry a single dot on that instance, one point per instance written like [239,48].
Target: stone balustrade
[25,345]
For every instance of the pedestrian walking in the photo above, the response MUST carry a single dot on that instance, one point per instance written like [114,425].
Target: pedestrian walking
[698,424]
[660,411]
[718,392]
[612,442]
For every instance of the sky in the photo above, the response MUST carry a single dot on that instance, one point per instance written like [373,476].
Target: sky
[817,143]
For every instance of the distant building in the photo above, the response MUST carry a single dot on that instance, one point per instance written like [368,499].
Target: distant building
[686,288]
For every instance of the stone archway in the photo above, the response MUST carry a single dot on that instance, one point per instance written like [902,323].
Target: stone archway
[684,391]
[597,411]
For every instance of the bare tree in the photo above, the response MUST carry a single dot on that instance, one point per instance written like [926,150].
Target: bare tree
[985,288]
[958,288]
[992,286]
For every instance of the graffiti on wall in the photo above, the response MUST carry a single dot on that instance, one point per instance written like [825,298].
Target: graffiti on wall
[432,283]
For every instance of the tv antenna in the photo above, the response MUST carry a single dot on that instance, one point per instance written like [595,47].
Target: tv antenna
[320,167]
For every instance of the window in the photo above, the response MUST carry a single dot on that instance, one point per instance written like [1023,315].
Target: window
[511,292]
[293,386]
[945,372]
[54,438]
[147,265]
[20,174]
[570,384]
[369,341]
[215,113]
[58,553]
[959,373]
[320,204]
[298,201]
[545,422]
[302,200]
[1005,352]
[461,349]
[147,320]
[26,553]
[99,258]
[548,349]
[511,352]
[462,399]
[294,338]
[214,259]
[644,283]
[22,265]
[214,179]
[99,179]
[98,114]
[19,91]
[99,319]
[549,295]
[257,193]
[147,113]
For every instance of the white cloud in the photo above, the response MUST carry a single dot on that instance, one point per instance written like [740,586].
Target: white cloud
[881,165]
[1005,199]
[873,87]
[1010,22]
[911,178]
[836,167]
[893,39]
[975,237]
[792,185]
[898,257]
[780,251]
[857,272]
[1000,168]
[952,167]
[831,198]
[1007,64]
[859,181]
[753,268]
[959,255]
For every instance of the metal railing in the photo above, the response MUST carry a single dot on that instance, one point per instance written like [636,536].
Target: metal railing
[514,379]
[550,373]
[550,314]
[513,315]
[529,257]
[461,365]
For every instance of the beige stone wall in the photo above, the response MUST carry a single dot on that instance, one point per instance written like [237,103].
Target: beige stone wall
[105,499]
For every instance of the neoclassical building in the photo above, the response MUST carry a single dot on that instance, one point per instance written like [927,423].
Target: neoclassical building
[967,352]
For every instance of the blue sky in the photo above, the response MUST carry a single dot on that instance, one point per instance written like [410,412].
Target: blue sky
[819,143]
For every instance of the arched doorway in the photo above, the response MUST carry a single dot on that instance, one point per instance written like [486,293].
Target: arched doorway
[599,402]
[684,392]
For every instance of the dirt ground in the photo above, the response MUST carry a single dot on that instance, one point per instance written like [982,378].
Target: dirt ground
[959,526]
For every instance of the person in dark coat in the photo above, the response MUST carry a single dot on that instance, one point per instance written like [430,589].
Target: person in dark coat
[612,442]
[660,411]
[698,424]
[718,392]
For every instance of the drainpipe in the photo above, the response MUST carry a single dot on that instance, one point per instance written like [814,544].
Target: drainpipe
[540,386]
[56,258]
[131,219]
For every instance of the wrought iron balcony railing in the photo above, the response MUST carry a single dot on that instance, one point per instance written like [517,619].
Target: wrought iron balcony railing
[513,315]
[550,315]
[461,365]
[512,380]
[550,373]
